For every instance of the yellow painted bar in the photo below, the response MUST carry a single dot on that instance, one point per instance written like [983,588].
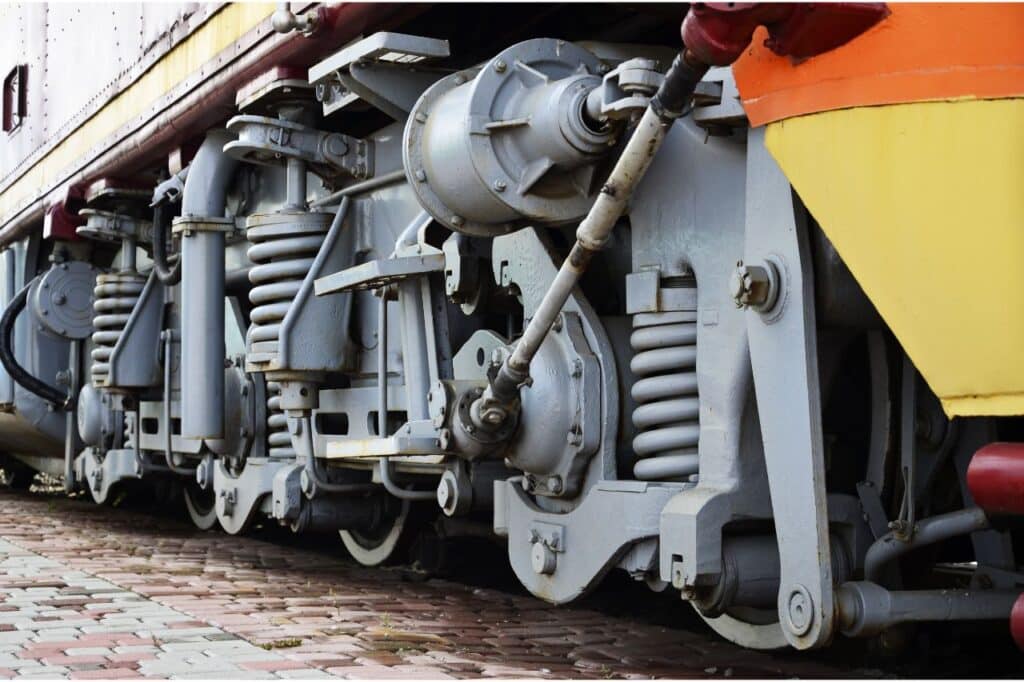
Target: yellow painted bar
[925,203]
[187,57]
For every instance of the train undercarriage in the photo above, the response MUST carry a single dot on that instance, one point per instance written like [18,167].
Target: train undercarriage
[360,304]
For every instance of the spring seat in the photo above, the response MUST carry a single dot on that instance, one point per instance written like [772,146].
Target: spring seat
[115,296]
[667,416]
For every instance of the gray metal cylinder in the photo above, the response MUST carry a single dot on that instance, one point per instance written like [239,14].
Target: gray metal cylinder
[202,290]
[511,144]
[866,608]
[202,339]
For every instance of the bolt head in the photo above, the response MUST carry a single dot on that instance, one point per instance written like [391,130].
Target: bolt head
[751,286]
[500,66]
[543,559]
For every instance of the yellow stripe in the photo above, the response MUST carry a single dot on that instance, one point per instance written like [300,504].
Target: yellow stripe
[217,34]
[923,201]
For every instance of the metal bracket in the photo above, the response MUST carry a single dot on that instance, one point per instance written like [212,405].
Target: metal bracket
[265,141]
[239,498]
[612,517]
[133,363]
[627,89]
[784,358]
[379,273]
[384,70]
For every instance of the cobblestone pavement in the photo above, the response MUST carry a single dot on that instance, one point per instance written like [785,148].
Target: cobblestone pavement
[88,591]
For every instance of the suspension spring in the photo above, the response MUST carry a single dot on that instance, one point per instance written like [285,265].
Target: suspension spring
[279,441]
[667,416]
[116,296]
[284,246]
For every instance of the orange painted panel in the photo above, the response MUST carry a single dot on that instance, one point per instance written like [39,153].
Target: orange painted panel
[920,52]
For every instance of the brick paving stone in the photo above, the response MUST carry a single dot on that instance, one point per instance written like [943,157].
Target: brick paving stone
[112,593]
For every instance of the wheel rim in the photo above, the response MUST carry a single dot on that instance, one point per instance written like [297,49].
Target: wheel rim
[373,549]
[764,637]
[201,507]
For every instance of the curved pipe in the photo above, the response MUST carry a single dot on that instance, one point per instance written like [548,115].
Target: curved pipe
[168,275]
[382,398]
[319,482]
[19,374]
[202,291]
[926,532]
[209,176]
[168,436]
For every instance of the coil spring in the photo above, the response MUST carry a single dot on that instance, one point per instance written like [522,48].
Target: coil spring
[279,440]
[668,408]
[284,246]
[116,296]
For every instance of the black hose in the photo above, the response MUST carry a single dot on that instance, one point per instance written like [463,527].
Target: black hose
[167,274]
[672,98]
[18,373]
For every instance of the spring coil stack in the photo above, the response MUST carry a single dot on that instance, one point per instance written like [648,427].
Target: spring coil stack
[284,246]
[667,416]
[116,296]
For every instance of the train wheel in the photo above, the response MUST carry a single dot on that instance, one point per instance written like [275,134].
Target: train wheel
[201,506]
[750,628]
[383,543]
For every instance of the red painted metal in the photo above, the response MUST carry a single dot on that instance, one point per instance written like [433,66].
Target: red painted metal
[718,32]
[995,478]
[1017,622]
[212,101]
[60,223]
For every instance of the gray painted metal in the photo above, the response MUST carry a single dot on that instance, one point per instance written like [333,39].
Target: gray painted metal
[133,360]
[784,357]
[574,550]
[504,145]
[866,608]
[926,532]
[202,288]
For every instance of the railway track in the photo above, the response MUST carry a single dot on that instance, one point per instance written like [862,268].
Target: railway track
[89,592]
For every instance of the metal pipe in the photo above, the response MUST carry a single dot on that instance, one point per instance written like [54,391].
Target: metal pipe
[360,187]
[319,483]
[19,374]
[502,394]
[382,406]
[70,433]
[866,608]
[168,336]
[168,274]
[926,532]
[202,291]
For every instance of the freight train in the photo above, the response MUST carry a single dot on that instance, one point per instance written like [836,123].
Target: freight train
[725,303]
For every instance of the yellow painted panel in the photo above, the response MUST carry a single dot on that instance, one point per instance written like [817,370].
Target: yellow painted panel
[217,34]
[925,204]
